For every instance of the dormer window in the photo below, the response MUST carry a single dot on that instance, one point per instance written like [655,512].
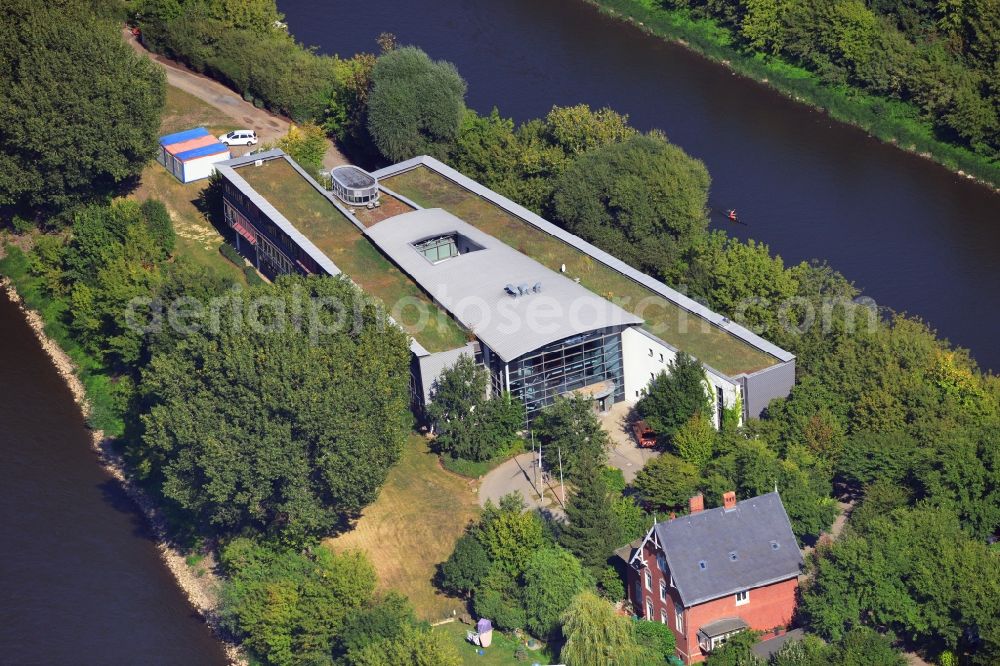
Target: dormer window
[661,561]
[742,597]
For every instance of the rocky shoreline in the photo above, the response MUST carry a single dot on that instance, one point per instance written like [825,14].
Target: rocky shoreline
[200,587]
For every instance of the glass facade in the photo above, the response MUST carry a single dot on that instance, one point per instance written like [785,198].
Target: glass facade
[568,365]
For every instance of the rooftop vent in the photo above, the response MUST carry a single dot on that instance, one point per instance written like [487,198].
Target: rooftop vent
[702,565]
[775,545]
[510,289]
[733,556]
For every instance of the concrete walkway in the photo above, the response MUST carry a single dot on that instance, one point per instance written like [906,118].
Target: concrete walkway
[269,126]
[624,454]
[518,474]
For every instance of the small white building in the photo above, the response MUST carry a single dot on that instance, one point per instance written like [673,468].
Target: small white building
[192,154]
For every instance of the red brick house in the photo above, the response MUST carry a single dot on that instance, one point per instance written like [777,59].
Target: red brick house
[716,572]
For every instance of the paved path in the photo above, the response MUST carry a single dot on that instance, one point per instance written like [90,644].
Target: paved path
[517,474]
[269,126]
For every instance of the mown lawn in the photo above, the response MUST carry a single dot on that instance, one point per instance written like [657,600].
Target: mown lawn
[710,344]
[500,652]
[337,237]
[413,526]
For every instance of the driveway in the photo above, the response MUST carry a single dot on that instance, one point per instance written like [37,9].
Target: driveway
[269,126]
[624,454]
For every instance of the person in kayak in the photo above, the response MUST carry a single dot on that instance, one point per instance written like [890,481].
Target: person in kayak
[732,215]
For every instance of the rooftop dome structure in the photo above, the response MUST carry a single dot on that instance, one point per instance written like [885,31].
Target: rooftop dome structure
[353,185]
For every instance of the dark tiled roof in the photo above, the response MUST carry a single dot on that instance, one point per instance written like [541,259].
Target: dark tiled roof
[764,649]
[716,552]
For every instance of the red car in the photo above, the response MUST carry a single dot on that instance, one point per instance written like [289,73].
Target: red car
[644,435]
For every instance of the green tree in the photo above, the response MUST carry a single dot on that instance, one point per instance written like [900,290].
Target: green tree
[578,129]
[385,619]
[73,132]
[675,395]
[657,639]
[643,200]
[467,565]
[736,652]
[277,427]
[288,605]
[420,647]
[570,426]
[592,531]
[596,635]
[161,228]
[666,483]
[306,144]
[510,535]
[468,424]
[551,578]
[415,106]
[695,440]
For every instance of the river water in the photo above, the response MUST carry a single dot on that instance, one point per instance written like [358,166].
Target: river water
[915,237]
[81,581]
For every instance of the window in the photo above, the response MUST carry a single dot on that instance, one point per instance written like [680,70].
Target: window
[720,404]
[678,617]
[650,353]
[663,616]
[649,580]
[652,376]
[742,597]
[649,609]
[661,358]
[638,594]
[663,591]
[661,561]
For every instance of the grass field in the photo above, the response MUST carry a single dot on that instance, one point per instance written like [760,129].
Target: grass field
[197,238]
[413,526]
[500,653]
[710,344]
[337,237]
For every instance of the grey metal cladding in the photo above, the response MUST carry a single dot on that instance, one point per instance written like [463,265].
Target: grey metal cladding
[432,365]
[765,385]
[750,531]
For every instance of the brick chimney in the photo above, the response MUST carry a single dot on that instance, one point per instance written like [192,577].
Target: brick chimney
[697,503]
[729,500]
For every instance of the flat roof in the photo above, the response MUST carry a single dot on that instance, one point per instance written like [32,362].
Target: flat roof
[186,135]
[352,176]
[669,316]
[475,287]
[315,218]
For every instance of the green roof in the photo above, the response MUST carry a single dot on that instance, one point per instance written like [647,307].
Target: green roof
[665,319]
[337,237]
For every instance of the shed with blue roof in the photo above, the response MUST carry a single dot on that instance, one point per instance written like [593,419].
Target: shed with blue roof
[192,154]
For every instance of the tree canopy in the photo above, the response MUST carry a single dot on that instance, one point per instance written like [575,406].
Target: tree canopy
[415,106]
[278,426]
[674,396]
[73,131]
[570,426]
[596,635]
[643,200]
[467,422]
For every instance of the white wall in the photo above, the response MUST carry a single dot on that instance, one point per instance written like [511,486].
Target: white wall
[640,367]
[202,167]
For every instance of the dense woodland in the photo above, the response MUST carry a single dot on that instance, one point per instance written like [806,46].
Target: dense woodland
[251,441]
[944,57]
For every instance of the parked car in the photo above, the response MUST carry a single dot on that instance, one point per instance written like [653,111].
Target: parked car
[644,435]
[239,138]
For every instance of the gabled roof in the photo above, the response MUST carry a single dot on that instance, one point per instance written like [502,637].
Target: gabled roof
[715,552]
[473,286]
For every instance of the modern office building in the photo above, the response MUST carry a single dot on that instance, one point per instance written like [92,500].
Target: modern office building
[466,271]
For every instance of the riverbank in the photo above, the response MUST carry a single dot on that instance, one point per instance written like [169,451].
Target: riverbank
[200,586]
[891,121]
